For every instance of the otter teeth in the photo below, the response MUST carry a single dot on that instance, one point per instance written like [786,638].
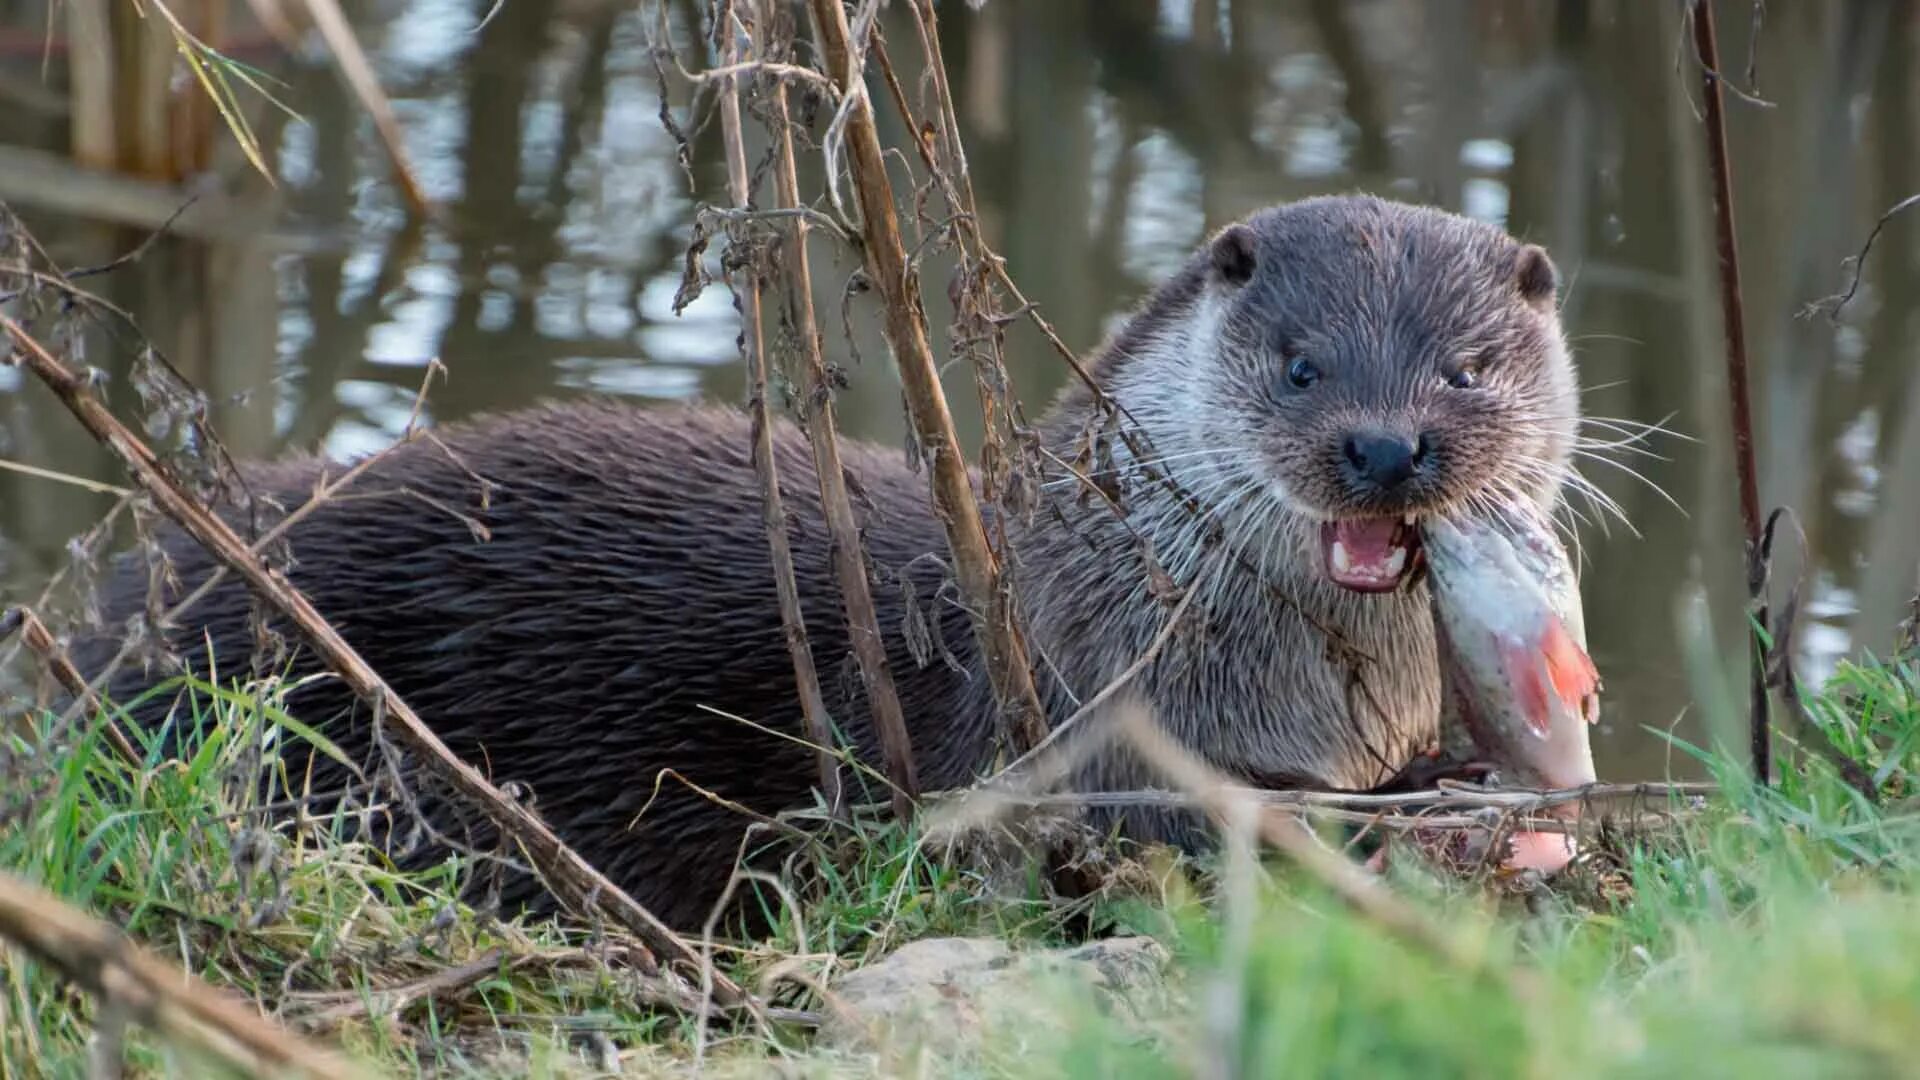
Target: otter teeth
[1342,563]
[1396,562]
[1408,519]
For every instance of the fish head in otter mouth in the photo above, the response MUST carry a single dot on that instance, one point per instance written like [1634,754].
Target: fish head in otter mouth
[1389,362]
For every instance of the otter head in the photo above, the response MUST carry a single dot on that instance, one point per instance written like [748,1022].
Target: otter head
[1376,362]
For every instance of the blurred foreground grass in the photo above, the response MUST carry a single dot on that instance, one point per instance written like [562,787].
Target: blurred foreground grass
[1775,933]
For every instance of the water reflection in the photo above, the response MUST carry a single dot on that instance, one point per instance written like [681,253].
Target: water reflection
[1107,136]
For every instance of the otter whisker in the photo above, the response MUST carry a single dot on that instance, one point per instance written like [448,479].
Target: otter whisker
[1626,426]
[1132,468]
[1637,475]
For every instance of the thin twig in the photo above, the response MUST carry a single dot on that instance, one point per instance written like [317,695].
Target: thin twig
[101,959]
[1832,304]
[1708,52]
[1361,891]
[80,482]
[573,881]
[753,343]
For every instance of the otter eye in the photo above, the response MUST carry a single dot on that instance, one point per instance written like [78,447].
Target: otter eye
[1466,375]
[1302,373]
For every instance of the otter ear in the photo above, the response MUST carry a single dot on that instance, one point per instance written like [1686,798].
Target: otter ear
[1232,252]
[1535,275]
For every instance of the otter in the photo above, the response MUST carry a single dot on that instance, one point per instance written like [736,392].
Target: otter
[1310,382]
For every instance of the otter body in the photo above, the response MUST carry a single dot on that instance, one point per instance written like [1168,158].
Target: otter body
[1313,378]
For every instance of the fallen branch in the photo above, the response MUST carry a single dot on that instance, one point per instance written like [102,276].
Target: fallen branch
[388,1001]
[1451,796]
[1734,320]
[888,721]
[101,960]
[1023,722]
[573,881]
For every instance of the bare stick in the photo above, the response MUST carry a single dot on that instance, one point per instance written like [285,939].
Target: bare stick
[1734,320]
[97,957]
[47,648]
[1023,724]
[813,705]
[571,878]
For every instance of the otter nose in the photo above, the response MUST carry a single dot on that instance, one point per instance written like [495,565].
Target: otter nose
[1384,461]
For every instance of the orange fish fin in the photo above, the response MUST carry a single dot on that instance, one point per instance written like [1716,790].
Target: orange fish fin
[1529,679]
[1574,677]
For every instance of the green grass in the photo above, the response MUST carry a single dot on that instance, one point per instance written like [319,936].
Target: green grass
[1775,933]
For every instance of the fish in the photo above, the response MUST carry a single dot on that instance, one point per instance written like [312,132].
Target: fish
[1513,652]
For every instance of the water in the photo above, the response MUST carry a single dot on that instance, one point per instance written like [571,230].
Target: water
[1107,137]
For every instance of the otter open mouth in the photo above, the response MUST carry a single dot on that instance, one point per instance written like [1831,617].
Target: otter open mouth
[1370,554]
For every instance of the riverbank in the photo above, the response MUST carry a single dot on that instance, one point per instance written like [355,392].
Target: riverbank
[1767,932]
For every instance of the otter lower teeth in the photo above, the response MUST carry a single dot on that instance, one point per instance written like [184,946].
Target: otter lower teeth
[1341,562]
[1396,562]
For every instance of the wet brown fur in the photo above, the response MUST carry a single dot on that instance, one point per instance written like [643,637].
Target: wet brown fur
[623,600]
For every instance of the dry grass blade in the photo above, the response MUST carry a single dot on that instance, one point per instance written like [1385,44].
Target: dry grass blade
[571,878]
[354,67]
[1340,875]
[140,987]
[753,342]
[978,570]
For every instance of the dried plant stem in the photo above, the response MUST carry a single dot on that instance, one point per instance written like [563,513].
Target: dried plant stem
[47,648]
[817,410]
[354,67]
[1733,317]
[100,959]
[813,706]
[981,324]
[1361,891]
[571,878]
[976,567]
